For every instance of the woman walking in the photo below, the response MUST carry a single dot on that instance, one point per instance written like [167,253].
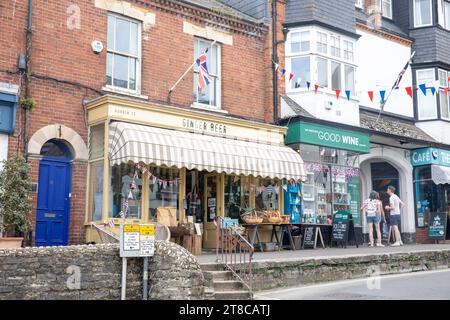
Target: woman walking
[373,209]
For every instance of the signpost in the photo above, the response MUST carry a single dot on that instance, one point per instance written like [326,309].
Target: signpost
[437,226]
[136,240]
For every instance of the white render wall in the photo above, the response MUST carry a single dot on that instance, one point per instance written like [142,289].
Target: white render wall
[379,63]
[439,130]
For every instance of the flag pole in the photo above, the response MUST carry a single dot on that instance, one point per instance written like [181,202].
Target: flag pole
[185,73]
[390,92]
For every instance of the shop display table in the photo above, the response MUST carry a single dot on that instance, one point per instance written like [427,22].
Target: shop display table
[255,239]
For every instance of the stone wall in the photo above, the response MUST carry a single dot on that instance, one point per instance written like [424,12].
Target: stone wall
[94,272]
[276,274]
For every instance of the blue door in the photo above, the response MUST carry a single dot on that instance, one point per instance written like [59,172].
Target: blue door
[53,202]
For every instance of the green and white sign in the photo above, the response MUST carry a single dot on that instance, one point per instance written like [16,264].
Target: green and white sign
[304,132]
[427,156]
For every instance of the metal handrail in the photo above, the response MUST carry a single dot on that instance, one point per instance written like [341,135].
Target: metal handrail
[235,252]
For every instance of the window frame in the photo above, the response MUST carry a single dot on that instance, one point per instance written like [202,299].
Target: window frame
[436,115]
[218,79]
[391,9]
[445,13]
[359,4]
[138,58]
[315,55]
[416,25]
[442,94]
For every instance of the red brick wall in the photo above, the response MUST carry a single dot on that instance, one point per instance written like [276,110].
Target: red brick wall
[422,235]
[66,71]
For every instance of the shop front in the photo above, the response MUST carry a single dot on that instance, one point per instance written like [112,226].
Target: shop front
[144,157]
[431,183]
[331,158]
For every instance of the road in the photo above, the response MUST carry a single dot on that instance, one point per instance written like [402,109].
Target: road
[427,285]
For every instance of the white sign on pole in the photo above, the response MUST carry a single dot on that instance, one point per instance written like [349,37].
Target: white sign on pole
[137,240]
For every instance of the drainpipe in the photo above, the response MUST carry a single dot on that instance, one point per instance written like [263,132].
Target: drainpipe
[274,59]
[28,74]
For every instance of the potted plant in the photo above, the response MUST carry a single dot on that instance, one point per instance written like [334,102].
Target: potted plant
[15,201]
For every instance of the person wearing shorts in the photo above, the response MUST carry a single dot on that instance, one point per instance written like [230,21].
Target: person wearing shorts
[395,204]
[373,210]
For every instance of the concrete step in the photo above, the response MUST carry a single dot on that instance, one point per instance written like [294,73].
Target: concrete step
[212,267]
[232,295]
[227,285]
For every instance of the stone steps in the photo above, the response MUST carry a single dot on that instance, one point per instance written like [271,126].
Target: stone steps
[222,284]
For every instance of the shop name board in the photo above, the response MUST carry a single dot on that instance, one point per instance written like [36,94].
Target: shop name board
[427,156]
[204,126]
[328,137]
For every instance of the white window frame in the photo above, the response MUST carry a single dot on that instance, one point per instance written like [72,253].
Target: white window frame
[335,43]
[381,4]
[320,36]
[314,55]
[218,105]
[442,93]
[416,25]
[359,4]
[420,94]
[311,36]
[349,49]
[138,57]
[444,13]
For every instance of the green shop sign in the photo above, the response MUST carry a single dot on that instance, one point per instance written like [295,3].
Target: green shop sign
[427,156]
[317,134]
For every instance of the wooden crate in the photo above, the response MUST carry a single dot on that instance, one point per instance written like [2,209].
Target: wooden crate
[193,244]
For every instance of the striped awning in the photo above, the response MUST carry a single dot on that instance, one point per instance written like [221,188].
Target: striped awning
[173,148]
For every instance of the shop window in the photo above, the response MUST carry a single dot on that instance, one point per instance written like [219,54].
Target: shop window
[430,197]
[426,104]
[209,95]
[96,191]
[316,192]
[126,186]
[96,141]
[309,152]
[423,13]
[266,194]
[163,190]
[232,196]
[123,53]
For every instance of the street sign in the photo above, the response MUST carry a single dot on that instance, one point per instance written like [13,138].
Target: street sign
[137,240]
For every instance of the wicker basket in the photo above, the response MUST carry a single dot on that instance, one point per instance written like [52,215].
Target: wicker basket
[285,218]
[274,219]
[252,218]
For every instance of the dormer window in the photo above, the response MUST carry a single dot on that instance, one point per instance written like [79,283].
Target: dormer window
[423,13]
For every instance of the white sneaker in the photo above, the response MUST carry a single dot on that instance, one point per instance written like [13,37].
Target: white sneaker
[380,245]
[401,242]
[396,244]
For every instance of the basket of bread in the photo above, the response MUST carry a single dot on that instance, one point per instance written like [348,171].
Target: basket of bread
[252,217]
[271,216]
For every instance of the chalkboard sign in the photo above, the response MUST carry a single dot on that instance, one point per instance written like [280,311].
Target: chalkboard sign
[341,221]
[310,237]
[437,226]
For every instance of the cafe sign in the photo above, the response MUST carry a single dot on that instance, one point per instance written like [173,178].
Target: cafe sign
[328,137]
[428,156]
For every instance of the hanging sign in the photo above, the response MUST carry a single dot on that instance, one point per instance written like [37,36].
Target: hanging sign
[137,240]
[427,156]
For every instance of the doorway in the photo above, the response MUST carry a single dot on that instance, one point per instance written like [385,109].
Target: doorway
[53,197]
[203,202]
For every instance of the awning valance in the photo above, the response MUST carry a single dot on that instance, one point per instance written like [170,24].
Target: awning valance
[173,148]
[440,174]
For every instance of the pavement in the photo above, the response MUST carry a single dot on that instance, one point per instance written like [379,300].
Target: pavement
[428,285]
[335,252]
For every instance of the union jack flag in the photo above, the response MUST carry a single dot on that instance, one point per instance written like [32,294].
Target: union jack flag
[203,76]
[400,75]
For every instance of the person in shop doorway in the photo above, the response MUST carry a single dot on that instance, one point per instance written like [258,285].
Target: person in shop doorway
[374,212]
[395,204]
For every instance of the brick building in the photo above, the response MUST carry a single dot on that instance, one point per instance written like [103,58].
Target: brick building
[88,56]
